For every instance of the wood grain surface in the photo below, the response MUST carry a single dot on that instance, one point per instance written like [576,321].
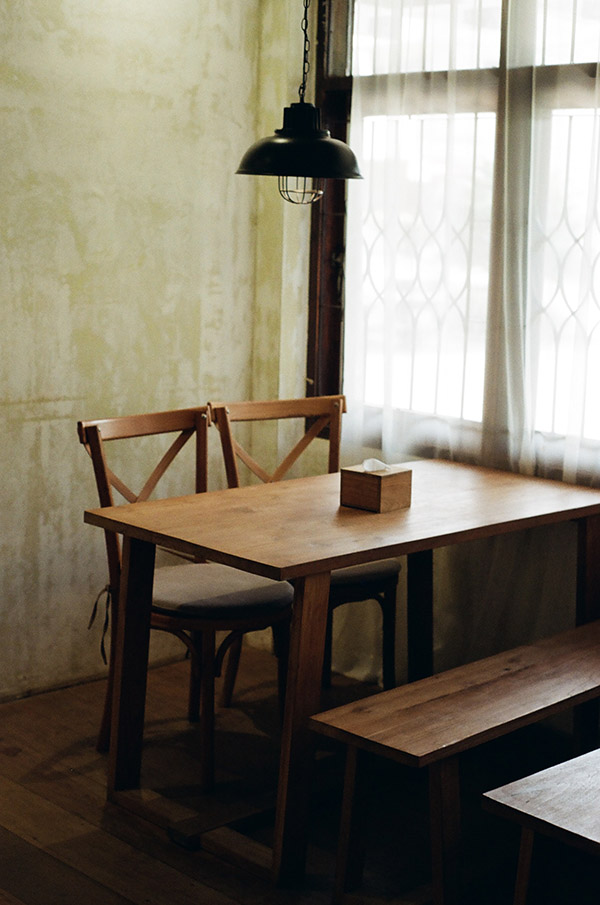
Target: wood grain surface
[297,527]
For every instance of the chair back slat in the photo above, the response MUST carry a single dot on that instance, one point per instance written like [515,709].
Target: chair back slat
[276,409]
[125,427]
[115,481]
[319,412]
[202,423]
[177,444]
[187,423]
[92,441]
[299,448]
[251,463]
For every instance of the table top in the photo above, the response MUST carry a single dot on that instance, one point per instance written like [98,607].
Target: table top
[297,527]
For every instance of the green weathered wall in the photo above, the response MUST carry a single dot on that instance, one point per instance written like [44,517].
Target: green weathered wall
[137,272]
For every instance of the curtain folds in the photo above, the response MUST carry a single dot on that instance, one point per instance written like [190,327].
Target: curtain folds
[473,268]
[472,324]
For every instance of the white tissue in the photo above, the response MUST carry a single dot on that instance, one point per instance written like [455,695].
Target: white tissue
[375,465]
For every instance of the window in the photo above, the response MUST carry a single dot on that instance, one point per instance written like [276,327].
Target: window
[472,277]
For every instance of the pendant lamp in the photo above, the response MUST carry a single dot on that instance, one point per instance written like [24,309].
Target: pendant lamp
[301,154]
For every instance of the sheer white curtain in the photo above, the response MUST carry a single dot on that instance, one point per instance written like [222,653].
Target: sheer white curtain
[472,324]
[473,275]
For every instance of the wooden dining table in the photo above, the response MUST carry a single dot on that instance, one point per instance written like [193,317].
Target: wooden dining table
[297,530]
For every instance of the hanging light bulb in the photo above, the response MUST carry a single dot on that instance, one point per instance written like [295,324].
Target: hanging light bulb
[300,189]
[301,154]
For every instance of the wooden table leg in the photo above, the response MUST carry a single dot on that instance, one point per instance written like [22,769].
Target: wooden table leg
[419,614]
[586,716]
[307,644]
[131,665]
[588,569]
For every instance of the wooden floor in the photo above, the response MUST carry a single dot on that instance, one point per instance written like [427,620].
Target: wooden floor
[61,843]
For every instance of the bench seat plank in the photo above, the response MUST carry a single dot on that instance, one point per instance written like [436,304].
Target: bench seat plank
[430,722]
[436,717]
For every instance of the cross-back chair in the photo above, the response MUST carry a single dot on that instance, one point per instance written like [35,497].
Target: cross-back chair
[192,600]
[372,581]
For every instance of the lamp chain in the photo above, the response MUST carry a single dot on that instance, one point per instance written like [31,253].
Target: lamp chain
[305,64]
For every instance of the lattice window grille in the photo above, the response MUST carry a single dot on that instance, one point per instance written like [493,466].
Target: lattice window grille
[425,280]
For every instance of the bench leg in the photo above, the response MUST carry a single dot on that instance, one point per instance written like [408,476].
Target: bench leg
[587,609]
[524,867]
[585,727]
[444,815]
[352,838]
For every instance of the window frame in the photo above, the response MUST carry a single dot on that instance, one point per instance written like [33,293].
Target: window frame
[333,95]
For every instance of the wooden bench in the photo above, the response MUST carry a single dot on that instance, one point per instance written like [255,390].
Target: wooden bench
[562,802]
[428,723]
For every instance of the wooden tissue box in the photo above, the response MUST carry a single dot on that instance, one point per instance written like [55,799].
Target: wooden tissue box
[377,491]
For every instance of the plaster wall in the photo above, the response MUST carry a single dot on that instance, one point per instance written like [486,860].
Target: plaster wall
[137,272]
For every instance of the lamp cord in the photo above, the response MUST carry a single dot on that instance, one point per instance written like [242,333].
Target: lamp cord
[305,63]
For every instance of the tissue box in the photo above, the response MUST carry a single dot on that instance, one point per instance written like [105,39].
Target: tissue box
[377,491]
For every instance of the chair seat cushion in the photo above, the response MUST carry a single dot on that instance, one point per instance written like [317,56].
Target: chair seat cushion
[381,570]
[214,591]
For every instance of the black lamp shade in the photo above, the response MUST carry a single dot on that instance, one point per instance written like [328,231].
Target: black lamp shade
[300,148]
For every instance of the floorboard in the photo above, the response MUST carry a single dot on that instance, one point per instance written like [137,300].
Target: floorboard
[61,842]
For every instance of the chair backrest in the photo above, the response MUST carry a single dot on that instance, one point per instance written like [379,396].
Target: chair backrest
[94,434]
[319,413]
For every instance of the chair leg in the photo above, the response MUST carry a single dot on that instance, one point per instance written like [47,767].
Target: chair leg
[352,838]
[103,740]
[524,866]
[387,605]
[231,670]
[207,711]
[281,647]
[444,815]
[326,674]
[195,677]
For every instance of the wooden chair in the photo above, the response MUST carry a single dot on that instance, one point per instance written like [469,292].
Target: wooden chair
[373,581]
[562,802]
[192,600]
[428,724]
